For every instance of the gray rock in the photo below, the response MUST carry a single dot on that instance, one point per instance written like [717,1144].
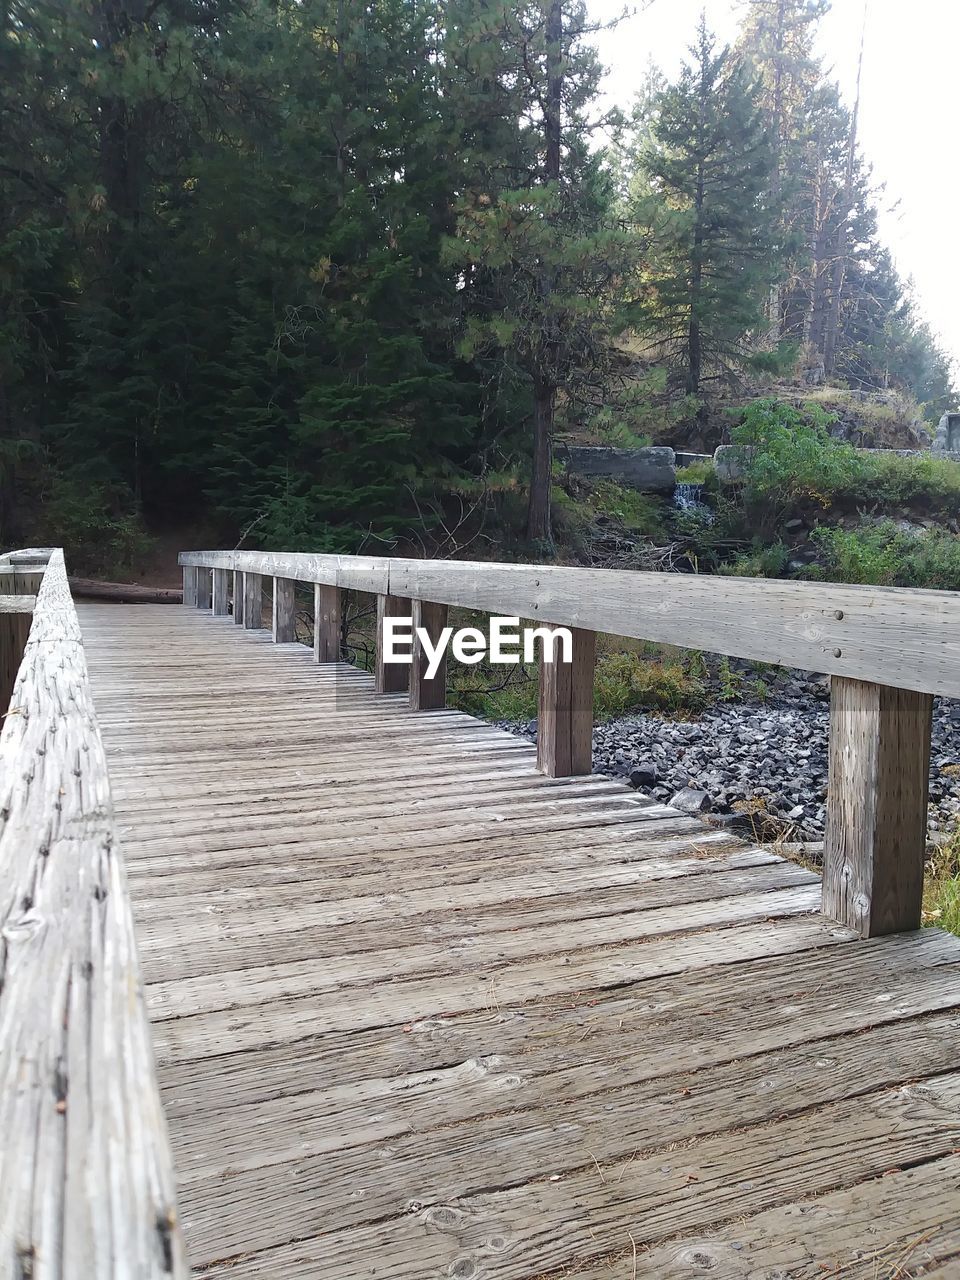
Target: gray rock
[688,800]
[644,775]
[653,470]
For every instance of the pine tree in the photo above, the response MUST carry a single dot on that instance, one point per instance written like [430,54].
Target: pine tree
[537,241]
[711,224]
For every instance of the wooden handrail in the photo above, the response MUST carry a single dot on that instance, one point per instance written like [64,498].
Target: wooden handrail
[905,638]
[887,650]
[85,1166]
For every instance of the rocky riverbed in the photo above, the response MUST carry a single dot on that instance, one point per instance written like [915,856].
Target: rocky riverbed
[757,764]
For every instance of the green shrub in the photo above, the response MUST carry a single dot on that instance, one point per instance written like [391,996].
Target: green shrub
[791,462]
[883,554]
[95,522]
[624,682]
[696,473]
[759,562]
[627,682]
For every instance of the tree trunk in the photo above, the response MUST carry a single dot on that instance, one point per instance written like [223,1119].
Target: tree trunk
[544,382]
[538,508]
[832,329]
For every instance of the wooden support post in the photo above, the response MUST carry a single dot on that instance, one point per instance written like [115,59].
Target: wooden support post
[203,588]
[876,806]
[238,597]
[14,629]
[390,677]
[284,611]
[252,601]
[428,695]
[220,584]
[326,622]
[190,585]
[565,724]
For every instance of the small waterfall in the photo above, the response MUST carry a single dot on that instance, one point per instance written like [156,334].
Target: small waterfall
[689,499]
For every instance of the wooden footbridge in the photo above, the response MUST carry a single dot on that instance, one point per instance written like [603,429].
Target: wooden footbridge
[302,982]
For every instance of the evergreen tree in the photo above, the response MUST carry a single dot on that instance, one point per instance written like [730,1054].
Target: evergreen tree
[536,237]
[710,221]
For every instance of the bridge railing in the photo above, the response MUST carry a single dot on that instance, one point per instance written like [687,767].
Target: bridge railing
[887,651]
[86,1178]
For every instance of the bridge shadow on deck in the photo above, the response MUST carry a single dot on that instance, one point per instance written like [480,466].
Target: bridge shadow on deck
[419,1011]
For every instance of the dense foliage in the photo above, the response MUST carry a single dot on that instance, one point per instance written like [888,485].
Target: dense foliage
[309,269]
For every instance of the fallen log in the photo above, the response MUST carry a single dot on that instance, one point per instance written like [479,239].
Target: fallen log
[124,592]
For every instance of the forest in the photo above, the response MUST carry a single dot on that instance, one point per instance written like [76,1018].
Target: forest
[320,274]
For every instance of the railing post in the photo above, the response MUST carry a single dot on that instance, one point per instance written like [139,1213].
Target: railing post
[428,695]
[220,606]
[252,601]
[203,588]
[190,585]
[876,806]
[390,677]
[238,597]
[284,611]
[326,622]
[565,722]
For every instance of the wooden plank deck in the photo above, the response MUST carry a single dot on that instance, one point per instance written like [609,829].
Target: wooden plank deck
[420,1012]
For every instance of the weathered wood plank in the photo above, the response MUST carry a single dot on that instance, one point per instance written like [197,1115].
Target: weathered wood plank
[897,1226]
[219,604]
[649,1195]
[238,597]
[204,588]
[88,1188]
[565,719]
[284,611]
[704,1017]
[428,694]
[876,806]
[15,625]
[252,601]
[190,578]
[326,623]
[17,604]
[434,976]
[390,677]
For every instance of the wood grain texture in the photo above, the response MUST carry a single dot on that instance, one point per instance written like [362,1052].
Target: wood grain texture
[284,613]
[326,623]
[252,601]
[876,806]
[422,1011]
[85,1166]
[15,621]
[390,677]
[219,604]
[565,716]
[427,694]
[190,576]
[204,588]
[906,638]
[238,597]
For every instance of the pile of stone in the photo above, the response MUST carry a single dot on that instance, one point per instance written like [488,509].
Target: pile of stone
[757,766]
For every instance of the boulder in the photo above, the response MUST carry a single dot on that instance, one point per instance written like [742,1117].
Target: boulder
[729,460]
[652,470]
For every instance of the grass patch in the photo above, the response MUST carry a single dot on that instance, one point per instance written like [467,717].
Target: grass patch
[883,554]
[941,892]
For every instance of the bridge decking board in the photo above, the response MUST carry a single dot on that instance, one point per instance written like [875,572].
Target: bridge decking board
[420,1012]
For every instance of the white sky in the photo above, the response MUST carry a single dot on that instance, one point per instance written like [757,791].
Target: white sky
[908,115]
